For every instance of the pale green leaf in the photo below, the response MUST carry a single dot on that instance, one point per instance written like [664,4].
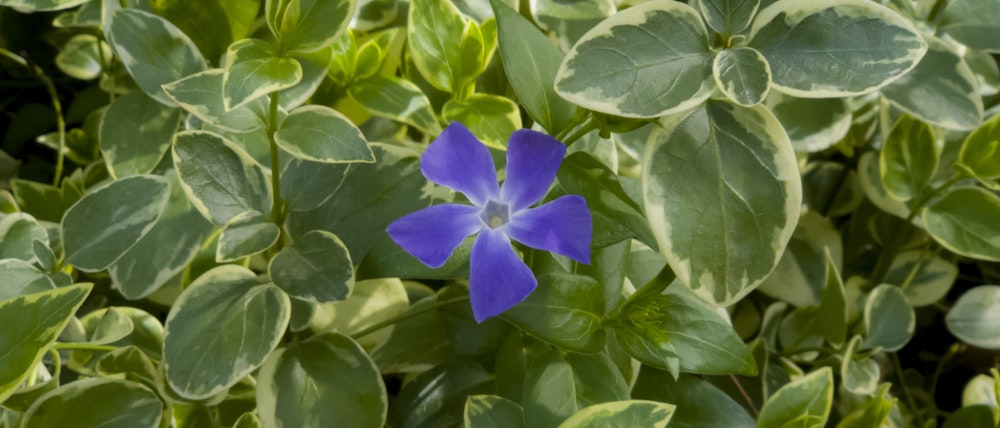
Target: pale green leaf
[980,152]
[909,158]
[20,278]
[82,56]
[924,277]
[18,233]
[246,234]
[492,411]
[434,39]
[491,118]
[972,23]
[622,414]
[308,25]
[201,95]
[964,221]
[96,402]
[549,390]
[321,134]
[889,319]
[975,317]
[135,132]
[396,99]
[812,124]
[41,5]
[254,69]
[805,402]
[801,274]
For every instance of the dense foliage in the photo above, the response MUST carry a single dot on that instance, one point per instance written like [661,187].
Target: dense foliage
[794,209]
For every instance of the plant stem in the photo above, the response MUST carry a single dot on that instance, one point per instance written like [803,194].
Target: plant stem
[906,390]
[405,316]
[743,392]
[56,105]
[83,346]
[272,127]
[588,126]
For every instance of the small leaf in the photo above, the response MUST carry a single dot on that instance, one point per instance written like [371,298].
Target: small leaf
[549,390]
[825,49]
[254,69]
[326,378]
[135,133]
[909,158]
[201,95]
[22,278]
[316,267]
[25,346]
[96,402]
[932,276]
[805,402]
[531,62]
[111,219]
[742,74]
[434,37]
[728,17]
[244,235]
[396,99]
[975,317]
[106,325]
[618,67]
[321,134]
[889,319]
[492,411]
[18,233]
[153,50]
[492,118]
[812,124]
[82,56]
[564,310]
[980,152]
[308,25]
[220,179]
[638,413]
[248,319]
[964,221]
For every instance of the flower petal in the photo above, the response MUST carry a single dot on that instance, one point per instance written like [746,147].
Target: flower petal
[456,159]
[498,279]
[561,226]
[532,161]
[433,233]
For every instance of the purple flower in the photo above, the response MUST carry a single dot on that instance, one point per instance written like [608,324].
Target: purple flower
[498,279]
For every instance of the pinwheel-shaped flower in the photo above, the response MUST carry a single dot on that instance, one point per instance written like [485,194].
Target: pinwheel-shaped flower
[498,279]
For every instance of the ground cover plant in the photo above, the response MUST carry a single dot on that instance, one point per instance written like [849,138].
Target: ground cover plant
[499,213]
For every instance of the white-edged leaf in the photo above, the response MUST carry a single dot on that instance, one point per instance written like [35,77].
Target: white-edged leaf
[20,278]
[722,195]
[96,402]
[805,402]
[244,235]
[908,159]
[742,74]
[964,221]
[889,319]
[308,25]
[201,95]
[396,99]
[646,61]
[975,317]
[980,153]
[633,413]
[41,5]
[316,267]
[812,124]
[924,277]
[322,134]
[135,132]
[728,17]
[254,69]
[18,233]
[82,56]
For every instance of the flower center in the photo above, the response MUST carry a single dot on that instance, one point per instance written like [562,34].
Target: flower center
[495,214]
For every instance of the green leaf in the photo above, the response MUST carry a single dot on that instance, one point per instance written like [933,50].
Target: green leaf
[564,310]
[396,99]
[618,67]
[220,179]
[131,362]
[622,414]
[111,219]
[96,402]
[212,24]
[221,328]
[18,232]
[135,133]
[869,173]
[875,412]
[909,158]
[722,195]
[801,274]
[678,325]
[972,416]
[21,278]
[568,22]
[860,373]
[924,277]
[742,74]
[699,403]
[321,134]
[491,118]
[246,234]
[149,264]
[492,411]
[831,316]
[805,402]
[728,17]
[971,23]
[436,397]
[980,153]
[316,267]
[82,56]
[254,69]
[326,378]
[371,302]
[43,201]
[549,390]
[153,50]
[434,38]
[964,221]
[201,95]
[812,124]
[42,316]
[531,62]
[834,48]
[41,5]
[417,342]
[596,379]
[308,25]
[975,315]
[889,319]
[941,90]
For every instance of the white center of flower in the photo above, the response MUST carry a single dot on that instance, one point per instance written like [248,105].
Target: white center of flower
[495,214]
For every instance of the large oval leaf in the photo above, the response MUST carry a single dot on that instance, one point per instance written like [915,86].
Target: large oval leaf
[96,402]
[316,267]
[42,316]
[975,317]
[153,50]
[722,195]
[220,329]
[321,134]
[110,220]
[220,179]
[834,48]
[633,413]
[326,378]
[964,221]
[647,61]
[135,133]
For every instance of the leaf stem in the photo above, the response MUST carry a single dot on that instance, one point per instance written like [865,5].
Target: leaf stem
[906,390]
[405,316]
[56,105]
[743,392]
[587,127]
